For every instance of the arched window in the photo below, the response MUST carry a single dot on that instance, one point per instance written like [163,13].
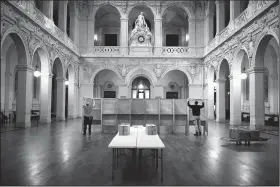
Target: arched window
[141,88]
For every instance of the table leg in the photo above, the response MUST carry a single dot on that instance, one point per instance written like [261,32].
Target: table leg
[113,164]
[156,159]
[140,155]
[117,158]
[161,164]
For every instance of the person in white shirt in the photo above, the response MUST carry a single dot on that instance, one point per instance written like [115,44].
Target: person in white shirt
[88,117]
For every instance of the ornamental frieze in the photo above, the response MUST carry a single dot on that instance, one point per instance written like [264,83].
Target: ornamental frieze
[246,37]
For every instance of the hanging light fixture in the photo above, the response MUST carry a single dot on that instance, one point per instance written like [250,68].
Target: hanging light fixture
[214,84]
[37,73]
[141,86]
[66,82]
[243,75]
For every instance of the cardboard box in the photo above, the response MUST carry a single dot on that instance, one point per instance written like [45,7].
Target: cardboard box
[124,130]
[151,129]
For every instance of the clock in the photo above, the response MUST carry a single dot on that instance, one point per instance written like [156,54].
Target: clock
[141,39]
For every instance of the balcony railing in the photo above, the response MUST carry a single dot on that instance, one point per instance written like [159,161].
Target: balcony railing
[128,51]
[167,51]
[38,17]
[252,11]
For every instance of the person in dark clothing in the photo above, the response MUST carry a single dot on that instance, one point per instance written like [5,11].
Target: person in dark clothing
[88,117]
[196,114]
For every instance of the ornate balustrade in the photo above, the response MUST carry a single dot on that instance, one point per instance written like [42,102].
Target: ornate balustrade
[168,51]
[253,10]
[38,17]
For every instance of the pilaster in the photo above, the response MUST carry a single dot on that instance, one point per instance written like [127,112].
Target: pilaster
[24,98]
[221,110]
[220,16]
[60,105]
[257,97]
[124,35]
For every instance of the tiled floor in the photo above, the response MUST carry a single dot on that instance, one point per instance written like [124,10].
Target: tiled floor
[58,154]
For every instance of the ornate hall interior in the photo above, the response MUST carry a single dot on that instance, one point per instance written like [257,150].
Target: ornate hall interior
[140,62]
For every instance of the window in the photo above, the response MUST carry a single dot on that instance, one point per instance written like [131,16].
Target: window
[109,94]
[111,39]
[172,95]
[141,88]
[172,40]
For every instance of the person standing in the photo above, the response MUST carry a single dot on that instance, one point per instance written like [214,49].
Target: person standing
[88,117]
[196,114]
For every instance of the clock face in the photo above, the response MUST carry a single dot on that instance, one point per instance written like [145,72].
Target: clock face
[141,39]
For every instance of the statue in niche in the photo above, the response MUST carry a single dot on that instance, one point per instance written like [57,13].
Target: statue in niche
[141,35]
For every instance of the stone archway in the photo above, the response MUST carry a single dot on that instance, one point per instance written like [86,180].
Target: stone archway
[70,93]
[58,91]
[265,67]
[22,76]
[223,93]
[41,84]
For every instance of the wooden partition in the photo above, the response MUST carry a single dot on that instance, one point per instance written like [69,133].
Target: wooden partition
[169,115]
[124,111]
[181,124]
[152,112]
[109,116]
[138,112]
[166,116]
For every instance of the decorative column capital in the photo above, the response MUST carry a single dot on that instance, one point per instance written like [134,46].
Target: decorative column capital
[230,77]
[221,80]
[22,67]
[124,19]
[256,70]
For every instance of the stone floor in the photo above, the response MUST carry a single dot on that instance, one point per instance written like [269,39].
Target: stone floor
[58,154]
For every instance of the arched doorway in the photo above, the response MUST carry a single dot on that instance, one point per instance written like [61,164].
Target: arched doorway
[141,88]
[240,105]
[106,84]
[70,93]
[264,98]
[40,99]
[223,92]
[175,29]
[20,75]
[107,26]
[58,92]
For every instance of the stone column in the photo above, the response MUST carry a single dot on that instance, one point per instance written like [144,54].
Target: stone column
[50,97]
[257,97]
[48,8]
[74,27]
[62,15]
[71,99]
[234,9]
[44,99]
[235,100]
[209,28]
[210,98]
[192,33]
[274,95]
[90,33]
[124,36]
[158,35]
[5,90]
[60,105]
[220,16]
[24,98]
[221,109]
